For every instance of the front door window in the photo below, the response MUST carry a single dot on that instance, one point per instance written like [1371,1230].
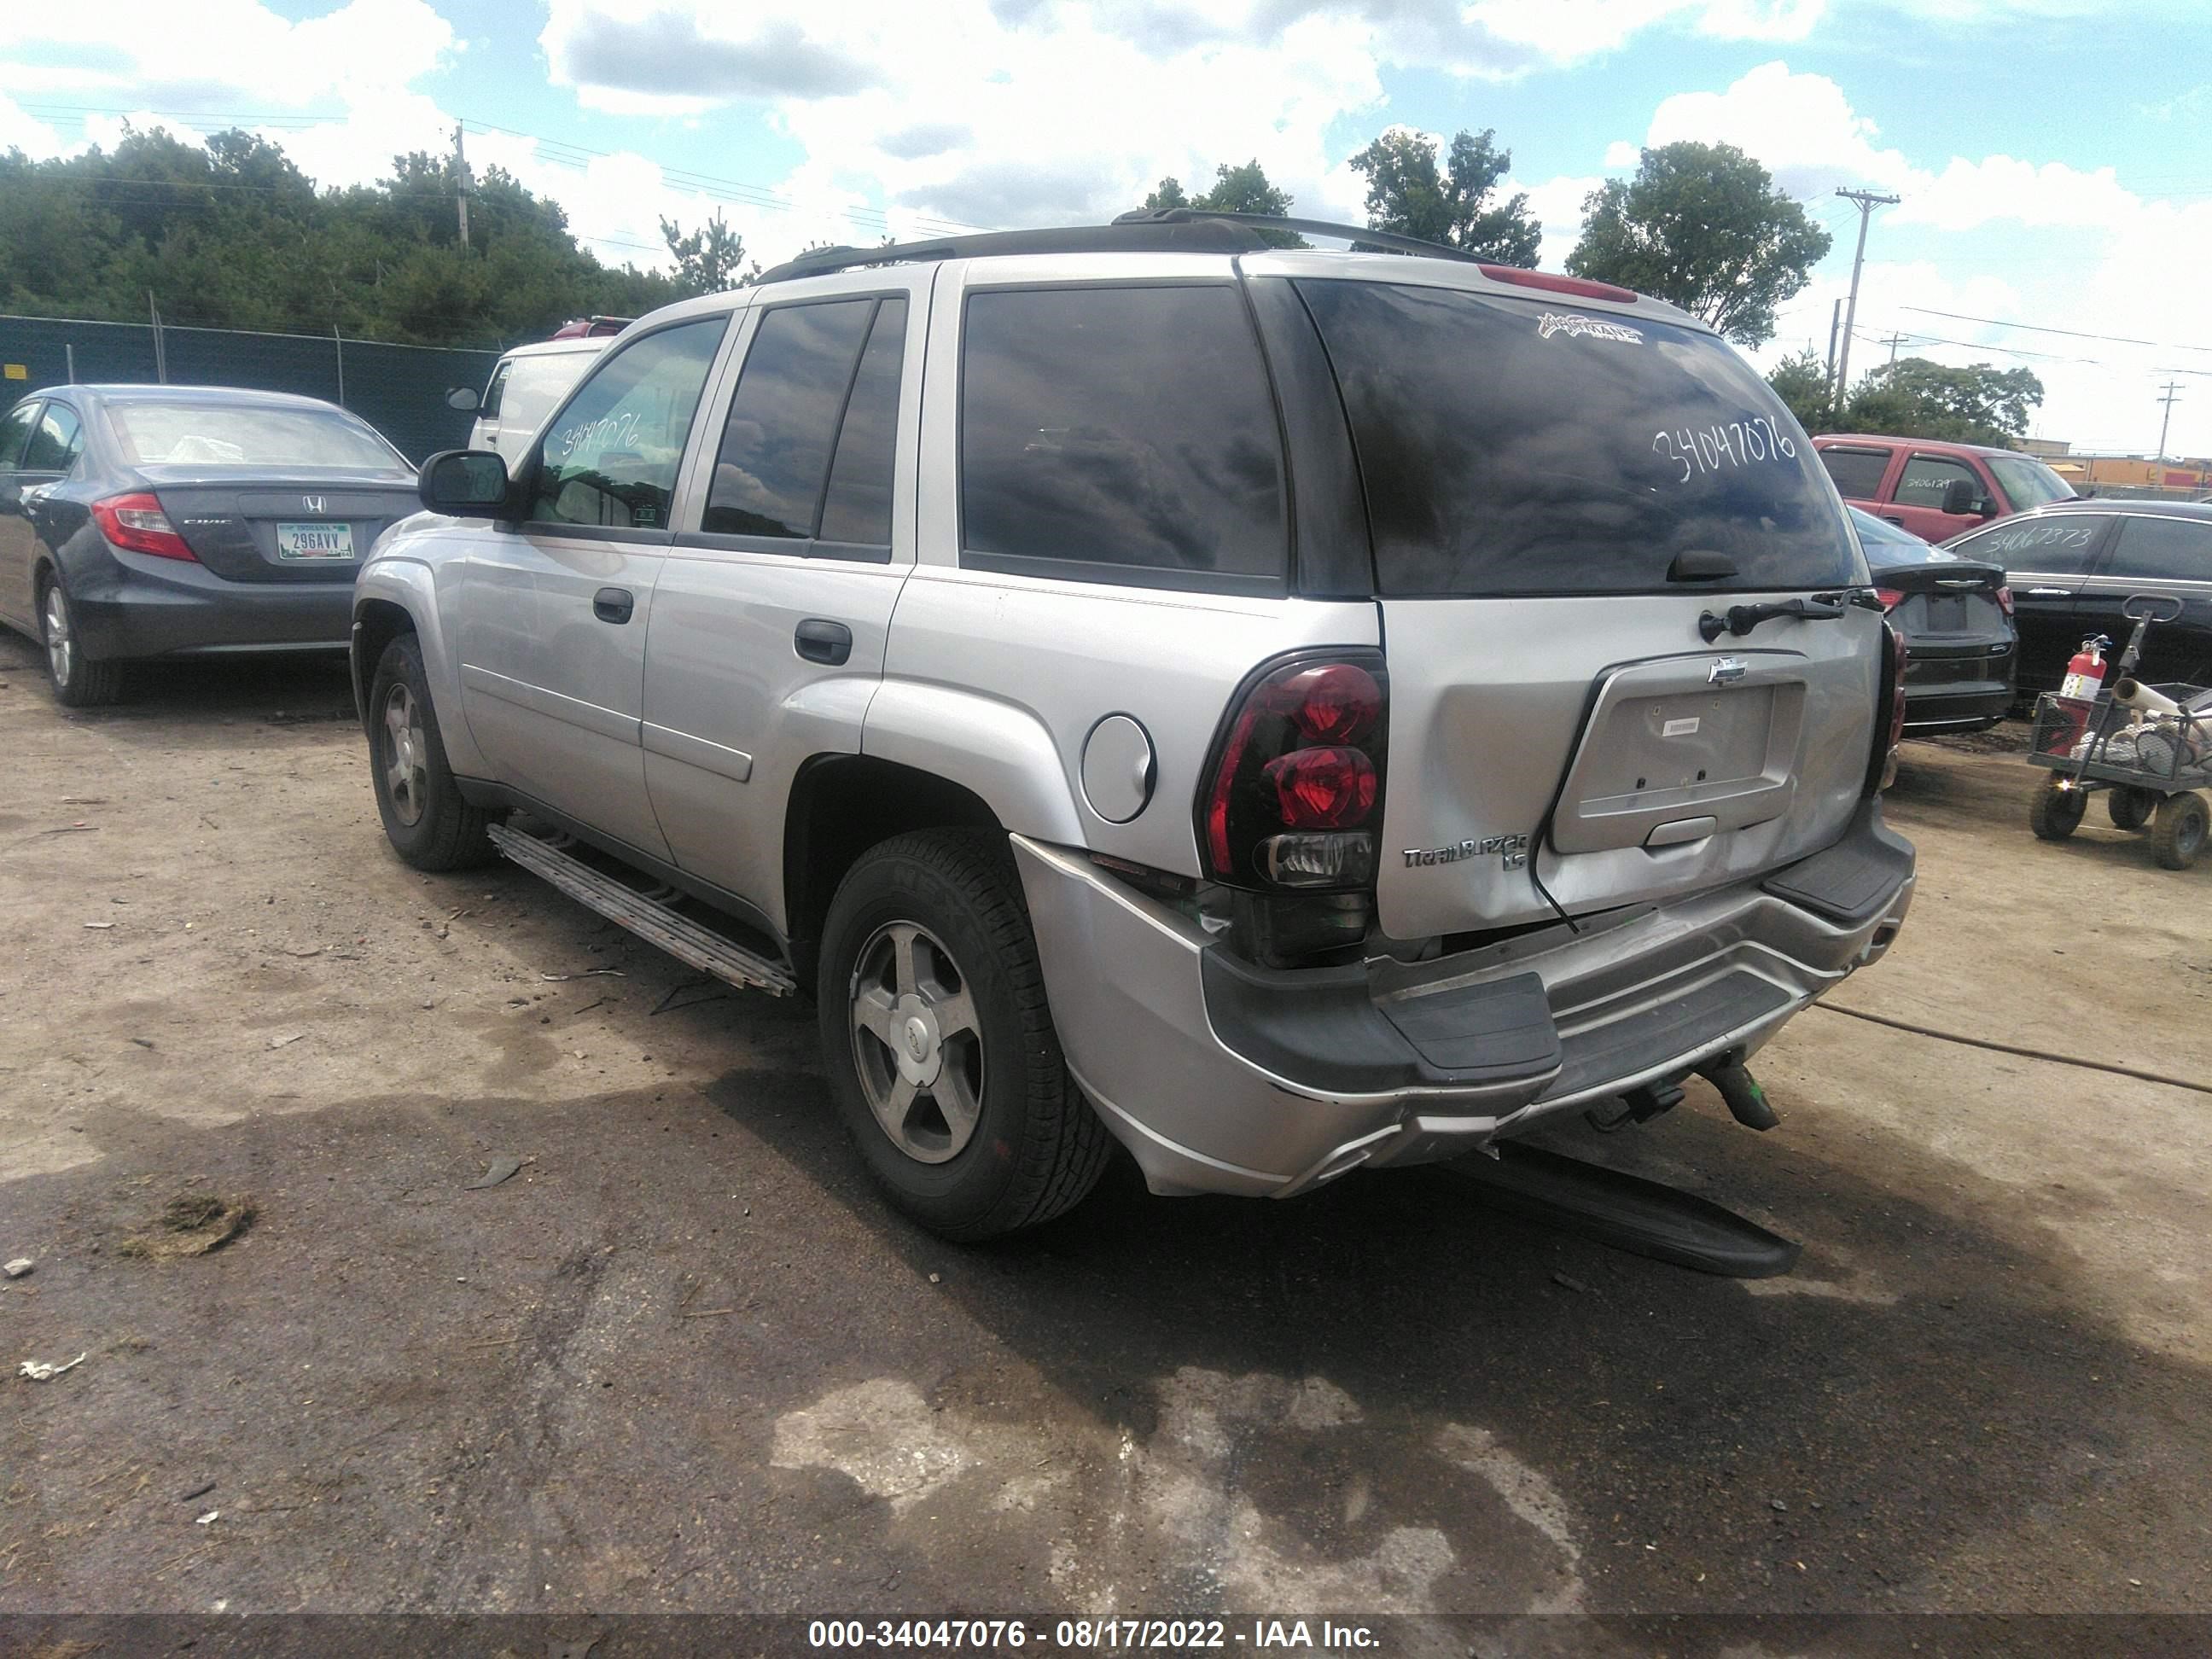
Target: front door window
[610,457]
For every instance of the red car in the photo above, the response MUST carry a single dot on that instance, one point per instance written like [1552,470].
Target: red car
[1936,489]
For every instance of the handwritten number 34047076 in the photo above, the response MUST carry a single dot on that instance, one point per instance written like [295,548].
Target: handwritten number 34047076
[1734,443]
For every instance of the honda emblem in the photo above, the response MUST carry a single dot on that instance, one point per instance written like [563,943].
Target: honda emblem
[313,504]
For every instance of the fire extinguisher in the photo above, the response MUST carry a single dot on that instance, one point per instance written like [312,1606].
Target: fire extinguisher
[2085,674]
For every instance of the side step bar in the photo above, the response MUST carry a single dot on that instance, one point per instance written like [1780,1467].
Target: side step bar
[1644,1218]
[649,917]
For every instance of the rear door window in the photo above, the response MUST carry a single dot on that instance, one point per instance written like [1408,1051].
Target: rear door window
[782,426]
[13,431]
[2161,550]
[610,457]
[2050,547]
[1858,472]
[1510,449]
[1119,434]
[1926,478]
[55,441]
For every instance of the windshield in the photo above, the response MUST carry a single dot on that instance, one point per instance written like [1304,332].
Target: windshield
[2028,482]
[1509,448]
[248,435]
[1886,544]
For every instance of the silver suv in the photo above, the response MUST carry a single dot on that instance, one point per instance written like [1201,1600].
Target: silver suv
[1281,710]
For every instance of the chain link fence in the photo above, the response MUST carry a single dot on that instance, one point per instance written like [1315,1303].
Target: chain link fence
[400,390]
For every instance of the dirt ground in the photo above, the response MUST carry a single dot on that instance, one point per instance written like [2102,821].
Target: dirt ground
[684,1360]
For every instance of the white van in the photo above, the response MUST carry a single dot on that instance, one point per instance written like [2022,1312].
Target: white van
[525,385]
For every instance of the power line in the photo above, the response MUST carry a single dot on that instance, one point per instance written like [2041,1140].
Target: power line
[2039,328]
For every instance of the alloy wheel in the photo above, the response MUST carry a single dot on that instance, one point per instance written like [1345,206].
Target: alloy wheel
[61,643]
[406,750]
[917,1043]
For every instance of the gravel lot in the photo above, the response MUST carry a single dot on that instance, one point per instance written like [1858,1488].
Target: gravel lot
[685,1361]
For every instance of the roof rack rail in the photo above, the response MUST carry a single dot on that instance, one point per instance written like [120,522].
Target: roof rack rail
[1206,234]
[1361,234]
[1161,230]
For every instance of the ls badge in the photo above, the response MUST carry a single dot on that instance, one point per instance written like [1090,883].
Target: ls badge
[1513,850]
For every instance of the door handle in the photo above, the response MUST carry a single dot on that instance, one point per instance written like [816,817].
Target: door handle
[818,641]
[613,605]
[1891,518]
[2047,592]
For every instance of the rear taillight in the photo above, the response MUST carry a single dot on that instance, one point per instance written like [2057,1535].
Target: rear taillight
[1294,786]
[2004,600]
[1891,598]
[136,522]
[1889,713]
[1551,283]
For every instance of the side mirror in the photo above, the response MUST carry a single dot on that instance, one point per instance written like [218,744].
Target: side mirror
[1960,496]
[463,397]
[463,483]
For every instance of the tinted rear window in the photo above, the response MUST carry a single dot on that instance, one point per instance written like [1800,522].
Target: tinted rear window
[242,434]
[1119,434]
[1858,472]
[1518,448]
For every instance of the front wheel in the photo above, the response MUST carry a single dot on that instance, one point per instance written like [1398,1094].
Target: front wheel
[426,819]
[2056,813]
[940,1048]
[2177,835]
[79,681]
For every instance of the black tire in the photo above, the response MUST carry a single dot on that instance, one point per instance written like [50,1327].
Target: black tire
[1035,1147]
[2130,808]
[2177,835]
[79,681]
[425,818]
[2056,813]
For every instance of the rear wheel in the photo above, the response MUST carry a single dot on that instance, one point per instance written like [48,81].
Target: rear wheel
[940,1048]
[2177,835]
[2130,809]
[2056,813]
[426,819]
[79,681]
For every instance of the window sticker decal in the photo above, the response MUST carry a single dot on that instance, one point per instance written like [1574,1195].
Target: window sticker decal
[1574,322]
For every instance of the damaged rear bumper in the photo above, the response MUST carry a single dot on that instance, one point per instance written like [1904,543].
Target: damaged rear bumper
[1220,1077]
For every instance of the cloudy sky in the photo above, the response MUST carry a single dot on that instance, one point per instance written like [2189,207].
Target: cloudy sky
[2054,156]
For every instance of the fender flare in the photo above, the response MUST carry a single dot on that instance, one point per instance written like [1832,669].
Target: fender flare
[997,751]
[410,585]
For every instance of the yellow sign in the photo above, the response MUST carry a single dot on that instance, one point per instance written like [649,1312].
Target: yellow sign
[17,372]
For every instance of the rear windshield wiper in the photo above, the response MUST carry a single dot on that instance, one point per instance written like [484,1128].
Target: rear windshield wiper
[1741,619]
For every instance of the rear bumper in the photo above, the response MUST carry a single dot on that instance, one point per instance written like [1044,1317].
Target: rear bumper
[1221,1078]
[1939,709]
[129,606]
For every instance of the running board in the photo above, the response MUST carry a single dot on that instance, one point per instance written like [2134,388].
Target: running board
[1627,1211]
[649,917]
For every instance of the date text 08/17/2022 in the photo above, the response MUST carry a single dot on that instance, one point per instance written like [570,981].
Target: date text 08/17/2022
[1093,1635]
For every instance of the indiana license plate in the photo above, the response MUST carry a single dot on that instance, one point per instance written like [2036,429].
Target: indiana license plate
[314,541]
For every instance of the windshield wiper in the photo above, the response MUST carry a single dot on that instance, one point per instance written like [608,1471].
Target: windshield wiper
[1742,619]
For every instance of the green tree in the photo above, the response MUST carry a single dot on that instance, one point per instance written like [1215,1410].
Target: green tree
[1244,189]
[710,259]
[1801,381]
[1409,193]
[1701,225]
[1168,194]
[1914,397]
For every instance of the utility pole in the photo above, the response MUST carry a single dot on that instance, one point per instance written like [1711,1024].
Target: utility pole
[2173,390]
[1867,201]
[1835,397]
[461,182]
[1892,343]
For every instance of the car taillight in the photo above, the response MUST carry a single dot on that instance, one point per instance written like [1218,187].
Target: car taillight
[2004,598]
[1290,809]
[136,522]
[1294,792]
[1551,282]
[1889,713]
[1891,598]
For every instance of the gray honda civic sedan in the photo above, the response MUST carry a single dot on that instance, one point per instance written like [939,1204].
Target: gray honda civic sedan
[145,522]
